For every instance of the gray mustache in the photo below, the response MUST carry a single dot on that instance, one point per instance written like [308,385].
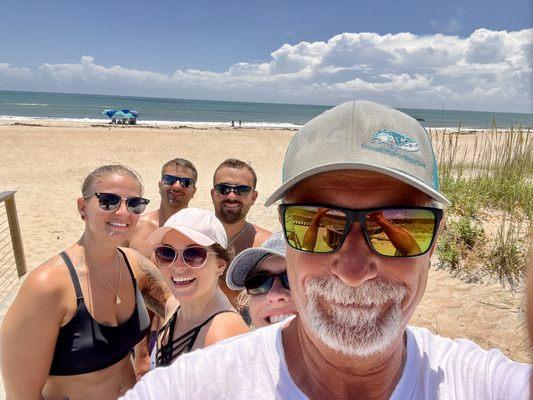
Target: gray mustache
[370,293]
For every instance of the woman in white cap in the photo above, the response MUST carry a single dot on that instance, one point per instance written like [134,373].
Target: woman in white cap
[191,251]
[262,272]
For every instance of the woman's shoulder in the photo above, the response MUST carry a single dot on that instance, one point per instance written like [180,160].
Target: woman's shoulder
[49,286]
[225,324]
[52,276]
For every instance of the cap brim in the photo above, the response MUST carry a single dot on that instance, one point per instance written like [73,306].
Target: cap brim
[244,263]
[284,189]
[157,236]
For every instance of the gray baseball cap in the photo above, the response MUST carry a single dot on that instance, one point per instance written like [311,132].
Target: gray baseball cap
[362,135]
[248,259]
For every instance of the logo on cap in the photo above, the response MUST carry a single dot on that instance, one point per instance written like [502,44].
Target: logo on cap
[395,140]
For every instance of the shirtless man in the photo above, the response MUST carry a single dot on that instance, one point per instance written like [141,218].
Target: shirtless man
[176,187]
[233,194]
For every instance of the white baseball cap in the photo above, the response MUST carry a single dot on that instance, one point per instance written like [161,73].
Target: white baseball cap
[362,135]
[201,226]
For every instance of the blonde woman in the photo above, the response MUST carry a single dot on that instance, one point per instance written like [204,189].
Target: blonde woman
[69,332]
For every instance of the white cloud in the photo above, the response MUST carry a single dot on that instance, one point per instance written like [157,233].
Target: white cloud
[14,72]
[489,70]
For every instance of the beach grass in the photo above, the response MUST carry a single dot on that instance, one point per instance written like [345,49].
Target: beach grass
[491,189]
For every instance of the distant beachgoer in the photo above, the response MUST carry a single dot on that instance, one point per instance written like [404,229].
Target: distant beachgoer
[240,123]
[232,123]
[177,188]
[191,251]
[70,330]
[262,272]
[233,193]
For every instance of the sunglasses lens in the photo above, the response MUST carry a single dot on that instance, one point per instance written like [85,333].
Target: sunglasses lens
[242,190]
[224,190]
[185,182]
[400,232]
[169,179]
[195,257]
[108,201]
[136,205]
[258,284]
[165,255]
[314,229]
[285,280]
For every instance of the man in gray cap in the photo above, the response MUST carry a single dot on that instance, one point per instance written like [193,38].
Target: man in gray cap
[361,211]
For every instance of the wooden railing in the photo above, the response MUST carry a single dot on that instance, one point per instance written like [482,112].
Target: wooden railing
[11,250]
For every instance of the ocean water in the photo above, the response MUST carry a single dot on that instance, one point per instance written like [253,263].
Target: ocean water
[86,107]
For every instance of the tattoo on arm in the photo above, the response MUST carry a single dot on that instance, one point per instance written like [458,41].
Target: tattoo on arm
[155,291]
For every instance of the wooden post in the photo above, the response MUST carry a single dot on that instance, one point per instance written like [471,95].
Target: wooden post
[14,230]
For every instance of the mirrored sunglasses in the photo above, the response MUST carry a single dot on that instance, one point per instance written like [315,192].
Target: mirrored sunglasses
[390,232]
[261,283]
[193,257]
[239,190]
[170,180]
[110,202]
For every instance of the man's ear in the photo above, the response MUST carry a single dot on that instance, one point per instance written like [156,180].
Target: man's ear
[213,195]
[254,196]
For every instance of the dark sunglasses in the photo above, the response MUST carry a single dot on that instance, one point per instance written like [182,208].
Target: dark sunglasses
[261,283]
[110,202]
[390,231]
[193,257]
[239,190]
[171,180]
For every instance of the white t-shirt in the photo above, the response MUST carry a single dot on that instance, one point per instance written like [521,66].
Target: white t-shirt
[252,366]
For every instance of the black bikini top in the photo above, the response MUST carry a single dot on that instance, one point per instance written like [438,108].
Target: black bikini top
[175,348]
[84,345]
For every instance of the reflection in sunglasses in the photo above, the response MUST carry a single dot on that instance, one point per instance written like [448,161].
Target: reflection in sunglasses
[394,232]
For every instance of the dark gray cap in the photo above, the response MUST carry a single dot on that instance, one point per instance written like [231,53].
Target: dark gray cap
[362,135]
[248,259]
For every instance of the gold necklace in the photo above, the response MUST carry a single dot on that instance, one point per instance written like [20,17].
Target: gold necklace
[117,298]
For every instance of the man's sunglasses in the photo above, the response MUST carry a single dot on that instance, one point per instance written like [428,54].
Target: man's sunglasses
[239,190]
[171,180]
[110,202]
[390,231]
[261,283]
[193,257]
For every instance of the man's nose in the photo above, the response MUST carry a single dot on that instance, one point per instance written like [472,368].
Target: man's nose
[354,263]
[232,195]
[177,184]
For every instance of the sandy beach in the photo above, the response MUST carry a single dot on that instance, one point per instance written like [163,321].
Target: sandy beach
[46,161]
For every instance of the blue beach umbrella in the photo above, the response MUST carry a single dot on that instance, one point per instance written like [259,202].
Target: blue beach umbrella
[119,114]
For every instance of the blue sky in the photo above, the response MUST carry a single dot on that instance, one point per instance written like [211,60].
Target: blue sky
[215,36]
